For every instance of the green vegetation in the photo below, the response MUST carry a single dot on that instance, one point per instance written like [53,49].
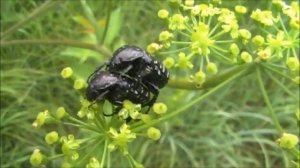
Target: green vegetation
[232,99]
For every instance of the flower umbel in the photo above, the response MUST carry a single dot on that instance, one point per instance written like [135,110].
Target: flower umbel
[120,139]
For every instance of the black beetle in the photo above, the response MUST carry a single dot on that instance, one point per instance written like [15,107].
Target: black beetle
[138,64]
[116,88]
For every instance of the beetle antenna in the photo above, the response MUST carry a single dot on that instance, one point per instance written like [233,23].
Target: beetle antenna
[98,69]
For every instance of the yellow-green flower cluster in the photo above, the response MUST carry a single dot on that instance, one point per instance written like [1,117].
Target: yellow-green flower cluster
[288,141]
[264,17]
[183,61]
[130,110]
[41,118]
[87,109]
[69,146]
[200,39]
[120,139]
[36,158]
[292,11]
[177,22]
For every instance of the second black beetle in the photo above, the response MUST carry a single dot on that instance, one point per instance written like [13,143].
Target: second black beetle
[138,64]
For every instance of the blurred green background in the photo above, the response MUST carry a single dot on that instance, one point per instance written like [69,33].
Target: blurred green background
[230,129]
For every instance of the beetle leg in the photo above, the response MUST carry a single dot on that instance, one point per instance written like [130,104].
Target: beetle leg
[155,92]
[100,97]
[99,68]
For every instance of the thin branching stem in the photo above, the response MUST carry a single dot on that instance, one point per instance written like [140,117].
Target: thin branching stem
[101,49]
[267,101]
[192,103]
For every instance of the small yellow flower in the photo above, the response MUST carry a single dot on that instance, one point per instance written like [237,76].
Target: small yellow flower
[246,57]
[169,62]
[234,50]
[189,2]
[183,61]
[94,163]
[258,40]
[36,158]
[60,112]
[264,55]
[165,36]
[293,64]
[41,118]
[153,47]
[163,14]
[177,22]
[211,68]
[288,141]
[159,108]
[153,133]
[240,9]
[120,139]
[51,137]
[264,17]
[67,72]
[79,84]
[69,146]
[199,78]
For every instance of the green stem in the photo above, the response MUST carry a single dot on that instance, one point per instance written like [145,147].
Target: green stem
[104,153]
[73,43]
[282,86]
[107,22]
[211,82]
[191,104]
[267,101]
[34,14]
[89,14]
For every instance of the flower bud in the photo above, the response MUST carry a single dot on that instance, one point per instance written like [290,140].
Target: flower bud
[94,163]
[234,49]
[36,158]
[67,72]
[199,78]
[153,47]
[240,9]
[41,118]
[245,34]
[51,137]
[288,141]
[264,55]
[163,14]
[211,68]
[189,2]
[258,40]
[293,63]
[169,62]
[153,133]
[246,57]
[79,84]
[165,36]
[160,108]
[60,112]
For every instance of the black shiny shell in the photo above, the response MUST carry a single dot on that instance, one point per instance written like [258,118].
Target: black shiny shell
[143,66]
[118,88]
